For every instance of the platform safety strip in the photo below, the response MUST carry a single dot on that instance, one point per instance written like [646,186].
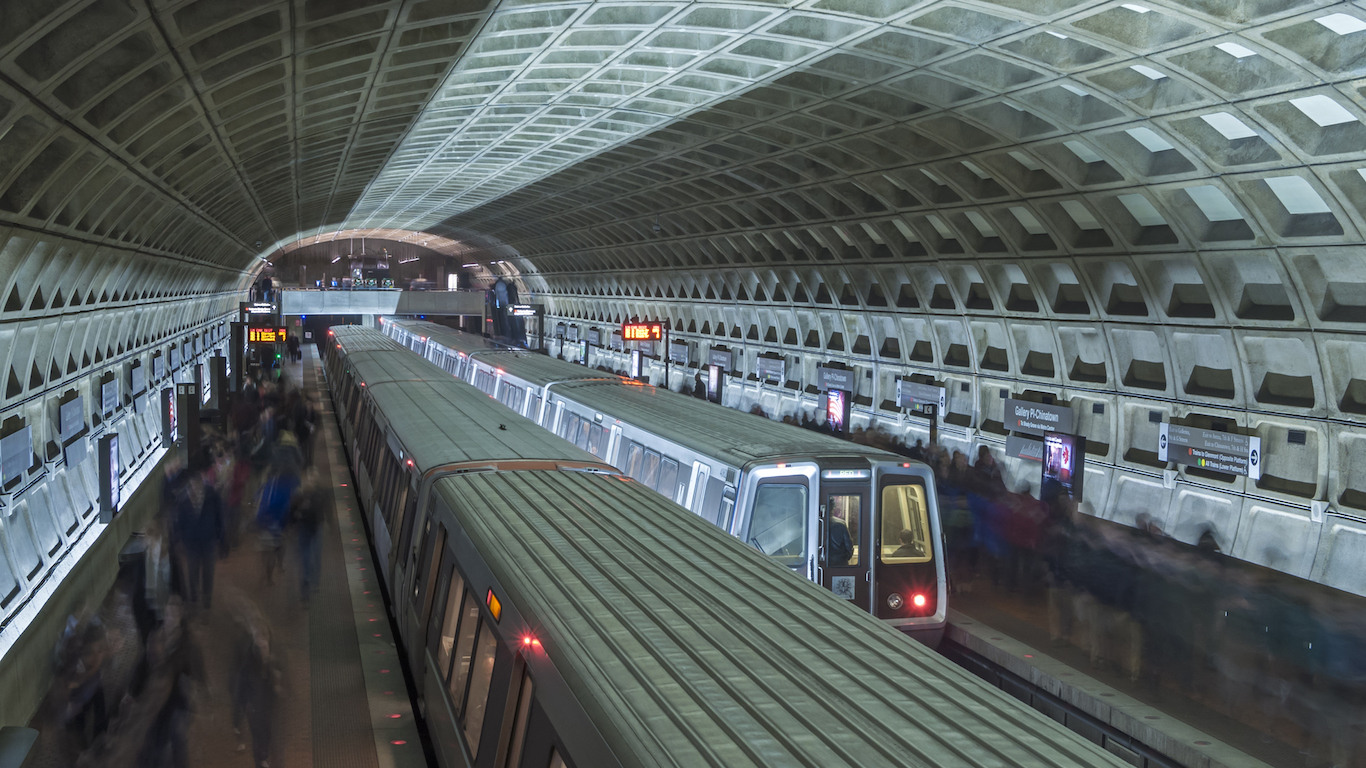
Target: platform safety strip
[396,743]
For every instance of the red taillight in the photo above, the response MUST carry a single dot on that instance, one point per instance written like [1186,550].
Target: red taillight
[918,601]
[907,465]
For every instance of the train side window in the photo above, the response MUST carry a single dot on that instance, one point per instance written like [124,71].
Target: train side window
[650,475]
[778,525]
[406,526]
[451,618]
[524,694]
[905,526]
[668,478]
[634,459]
[581,438]
[481,677]
[436,542]
[464,647]
[594,439]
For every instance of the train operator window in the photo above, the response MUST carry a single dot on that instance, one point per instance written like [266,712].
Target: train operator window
[778,525]
[844,511]
[905,526]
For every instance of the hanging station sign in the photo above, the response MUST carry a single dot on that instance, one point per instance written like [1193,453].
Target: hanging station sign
[1208,449]
[260,308]
[924,399]
[771,370]
[1037,418]
[835,378]
[722,358]
[521,310]
[16,454]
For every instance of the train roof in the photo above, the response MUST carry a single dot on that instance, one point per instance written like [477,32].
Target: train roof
[458,341]
[734,436]
[711,429]
[690,648]
[439,420]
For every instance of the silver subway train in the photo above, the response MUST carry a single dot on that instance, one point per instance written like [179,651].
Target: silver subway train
[557,614]
[860,521]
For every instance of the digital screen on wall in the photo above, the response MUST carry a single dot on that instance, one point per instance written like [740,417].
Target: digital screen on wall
[714,375]
[837,410]
[1064,465]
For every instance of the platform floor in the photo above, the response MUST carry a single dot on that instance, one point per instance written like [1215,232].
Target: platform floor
[343,701]
[1191,727]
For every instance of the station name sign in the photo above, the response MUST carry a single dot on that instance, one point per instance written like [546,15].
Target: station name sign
[260,308]
[925,399]
[771,370]
[522,310]
[642,331]
[265,335]
[678,352]
[1037,418]
[835,378]
[1207,449]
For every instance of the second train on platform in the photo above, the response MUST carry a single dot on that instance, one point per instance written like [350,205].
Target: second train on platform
[860,521]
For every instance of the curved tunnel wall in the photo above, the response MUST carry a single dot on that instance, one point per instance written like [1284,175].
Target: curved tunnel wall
[1137,207]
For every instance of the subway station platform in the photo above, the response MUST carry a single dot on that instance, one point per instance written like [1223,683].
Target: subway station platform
[1229,712]
[341,696]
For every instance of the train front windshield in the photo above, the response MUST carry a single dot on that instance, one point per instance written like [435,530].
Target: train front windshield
[779,524]
[905,526]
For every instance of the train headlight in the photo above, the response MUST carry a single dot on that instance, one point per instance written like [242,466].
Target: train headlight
[919,601]
[895,602]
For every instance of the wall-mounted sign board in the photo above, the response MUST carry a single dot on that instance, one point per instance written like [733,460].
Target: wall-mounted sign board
[1037,418]
[1207,449]
[770,370]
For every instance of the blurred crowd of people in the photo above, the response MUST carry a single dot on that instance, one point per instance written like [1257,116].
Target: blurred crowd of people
[1282,654]
[251,486]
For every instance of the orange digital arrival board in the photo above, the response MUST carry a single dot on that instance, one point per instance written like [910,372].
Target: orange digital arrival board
[265,335]
[642,331]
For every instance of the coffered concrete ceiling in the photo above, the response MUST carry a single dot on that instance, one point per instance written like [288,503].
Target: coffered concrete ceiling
[202,128]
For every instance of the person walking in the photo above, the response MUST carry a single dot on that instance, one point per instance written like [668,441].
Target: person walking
[199,519]
[311,504]
[256,683]
[277,491]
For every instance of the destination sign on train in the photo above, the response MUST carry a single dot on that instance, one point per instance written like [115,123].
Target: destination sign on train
[265,335]
[642,331]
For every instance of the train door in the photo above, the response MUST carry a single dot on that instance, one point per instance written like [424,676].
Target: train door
[844,513]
